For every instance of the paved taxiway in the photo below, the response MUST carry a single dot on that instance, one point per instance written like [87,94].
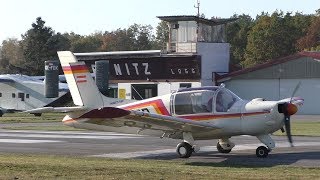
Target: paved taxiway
[106,144]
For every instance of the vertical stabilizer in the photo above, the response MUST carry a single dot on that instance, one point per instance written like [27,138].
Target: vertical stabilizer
[82,87]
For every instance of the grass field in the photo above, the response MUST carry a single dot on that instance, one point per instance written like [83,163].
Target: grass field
[30,118]
[61,167]
[303,128]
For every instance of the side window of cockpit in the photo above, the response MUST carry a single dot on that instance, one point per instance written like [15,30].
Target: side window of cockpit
[183,104]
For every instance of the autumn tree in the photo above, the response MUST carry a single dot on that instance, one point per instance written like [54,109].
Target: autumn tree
[89,43]
[237,34]
[271,36]
[162,35]
[40,44]
[11,57]
[311,41]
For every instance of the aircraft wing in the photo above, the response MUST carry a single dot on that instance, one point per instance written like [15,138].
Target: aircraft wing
[56,109]
[111,116]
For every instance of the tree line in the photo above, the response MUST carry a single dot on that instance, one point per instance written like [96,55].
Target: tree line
[252,41]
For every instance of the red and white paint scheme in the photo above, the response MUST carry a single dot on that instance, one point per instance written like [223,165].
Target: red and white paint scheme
[189,114]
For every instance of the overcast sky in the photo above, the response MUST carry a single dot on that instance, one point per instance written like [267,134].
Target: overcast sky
[86,17]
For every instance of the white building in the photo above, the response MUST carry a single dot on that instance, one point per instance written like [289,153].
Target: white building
[278,78]
[196,50]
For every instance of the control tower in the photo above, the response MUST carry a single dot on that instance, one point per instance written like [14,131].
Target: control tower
[201,36]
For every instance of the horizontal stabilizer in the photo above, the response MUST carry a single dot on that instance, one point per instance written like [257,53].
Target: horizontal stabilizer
[56,109]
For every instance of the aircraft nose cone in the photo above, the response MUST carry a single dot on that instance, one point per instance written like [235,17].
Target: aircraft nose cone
[291,109]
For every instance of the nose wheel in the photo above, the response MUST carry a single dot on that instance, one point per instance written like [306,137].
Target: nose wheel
[262,151]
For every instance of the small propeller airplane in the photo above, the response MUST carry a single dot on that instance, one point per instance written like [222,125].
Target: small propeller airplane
[188,114]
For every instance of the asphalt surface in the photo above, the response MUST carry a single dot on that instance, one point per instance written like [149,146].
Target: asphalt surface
[114,145]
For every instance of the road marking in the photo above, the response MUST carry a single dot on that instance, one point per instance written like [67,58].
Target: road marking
[26,141]
[204,149]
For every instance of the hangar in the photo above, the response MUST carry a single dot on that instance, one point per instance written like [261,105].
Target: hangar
[277,79]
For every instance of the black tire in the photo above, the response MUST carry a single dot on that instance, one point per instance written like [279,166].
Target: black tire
[221,150]
[1,113]
[184,150]
[262,152]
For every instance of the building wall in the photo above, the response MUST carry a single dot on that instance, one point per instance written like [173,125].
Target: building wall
[215,57]
[276,89]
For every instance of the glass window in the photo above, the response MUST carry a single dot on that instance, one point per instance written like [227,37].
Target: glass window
[13,95]
[225,100]
[185,85]
[193,102]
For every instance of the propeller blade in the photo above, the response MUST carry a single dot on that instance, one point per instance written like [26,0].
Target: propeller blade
[288,129]
[295,90]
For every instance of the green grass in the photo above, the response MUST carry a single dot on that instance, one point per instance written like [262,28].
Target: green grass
[62,167]
[30,118]
[303,128]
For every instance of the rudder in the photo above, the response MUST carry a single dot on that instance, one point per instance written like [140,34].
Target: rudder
[82,87]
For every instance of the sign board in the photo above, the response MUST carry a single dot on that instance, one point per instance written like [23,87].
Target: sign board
[122,93]
[181,67]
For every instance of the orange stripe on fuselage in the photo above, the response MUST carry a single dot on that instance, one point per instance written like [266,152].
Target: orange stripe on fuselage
[156,104]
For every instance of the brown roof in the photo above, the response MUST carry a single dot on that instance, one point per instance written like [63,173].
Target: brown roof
[315,55]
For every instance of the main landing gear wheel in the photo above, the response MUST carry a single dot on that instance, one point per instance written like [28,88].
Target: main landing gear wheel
[221,150]
[184,150]
[262,152]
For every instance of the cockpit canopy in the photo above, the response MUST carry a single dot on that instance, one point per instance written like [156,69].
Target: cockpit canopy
[203,100]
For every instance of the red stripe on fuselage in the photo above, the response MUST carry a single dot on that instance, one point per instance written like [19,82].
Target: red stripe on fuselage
[198,117]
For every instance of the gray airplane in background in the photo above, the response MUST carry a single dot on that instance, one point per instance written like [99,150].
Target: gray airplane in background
[21,92]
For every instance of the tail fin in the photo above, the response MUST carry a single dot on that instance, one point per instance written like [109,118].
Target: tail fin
[83,89]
